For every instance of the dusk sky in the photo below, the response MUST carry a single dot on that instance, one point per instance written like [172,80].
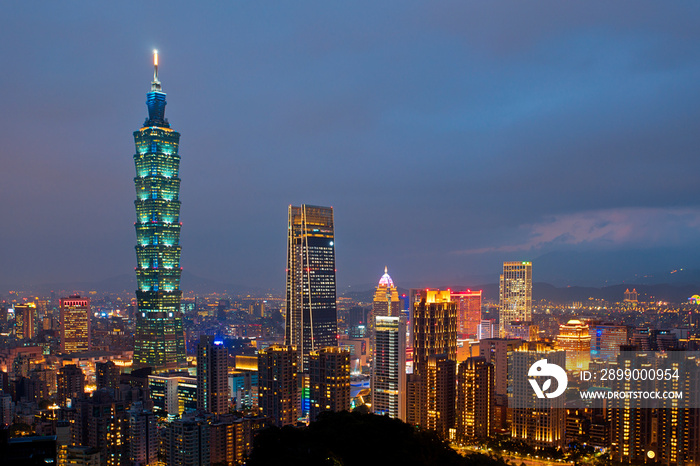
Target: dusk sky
[448,136]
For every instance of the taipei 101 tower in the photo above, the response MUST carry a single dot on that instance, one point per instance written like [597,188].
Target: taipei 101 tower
[159,340]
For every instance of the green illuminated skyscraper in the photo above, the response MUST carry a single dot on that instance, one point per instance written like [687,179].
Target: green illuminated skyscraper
[160,340]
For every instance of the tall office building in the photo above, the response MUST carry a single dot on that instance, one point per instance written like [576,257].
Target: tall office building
[475,399]
[434,328]
[75,324]
[515,295]
[575,339]
[159,341]
[434,335]
[212,376]
[388,379]
[311,319]
[26,321]
[329,381]
[278,379]
[386,303]
[468,312]
[538,422]
[386,297]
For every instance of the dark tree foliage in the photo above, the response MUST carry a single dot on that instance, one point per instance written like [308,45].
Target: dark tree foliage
[350,439]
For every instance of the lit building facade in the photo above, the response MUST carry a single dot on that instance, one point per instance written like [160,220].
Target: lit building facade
[438,394]
[311,320]
[434,334]
[475,399]
[173,393]
[632,424]
[75,324]
[468,312]
[540,422]
[388,378]
[575,339]
[212,376]
[386,297]
[329,381]
[26,321]
[678,420]
[278,384]
[159,340]
[515,295]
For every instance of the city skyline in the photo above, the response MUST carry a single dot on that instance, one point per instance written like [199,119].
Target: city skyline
[589,118]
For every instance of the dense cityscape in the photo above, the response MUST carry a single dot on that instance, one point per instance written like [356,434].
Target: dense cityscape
[493,373]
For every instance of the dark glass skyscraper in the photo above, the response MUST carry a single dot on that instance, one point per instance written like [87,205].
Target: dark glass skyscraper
[160,340]
[311,320]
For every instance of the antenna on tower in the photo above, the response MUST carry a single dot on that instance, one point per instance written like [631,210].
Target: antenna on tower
[155,65]
[155,85]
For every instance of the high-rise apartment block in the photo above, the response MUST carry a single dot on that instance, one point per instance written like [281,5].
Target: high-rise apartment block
[515,295]
[212,376]
[388,378]
[311,315]
[159,340]
[631,429]
[278,380]
[475,399]
[187,442]
[438,394]
[75,324]
[143,436]
[329,381]
[103,423]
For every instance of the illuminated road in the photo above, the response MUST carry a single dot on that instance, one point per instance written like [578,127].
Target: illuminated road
[514,459]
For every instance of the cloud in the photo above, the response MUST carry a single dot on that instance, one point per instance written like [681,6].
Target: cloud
[609,228]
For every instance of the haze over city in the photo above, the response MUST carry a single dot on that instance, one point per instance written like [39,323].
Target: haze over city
[448,137]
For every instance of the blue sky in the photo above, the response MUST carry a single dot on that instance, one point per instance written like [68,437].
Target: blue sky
[448,136]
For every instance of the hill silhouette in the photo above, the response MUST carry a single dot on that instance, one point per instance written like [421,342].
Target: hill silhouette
[355,439]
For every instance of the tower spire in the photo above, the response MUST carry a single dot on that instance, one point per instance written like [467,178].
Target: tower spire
[155,84]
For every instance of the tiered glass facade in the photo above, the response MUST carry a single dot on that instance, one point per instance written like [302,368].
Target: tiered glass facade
[160,341]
